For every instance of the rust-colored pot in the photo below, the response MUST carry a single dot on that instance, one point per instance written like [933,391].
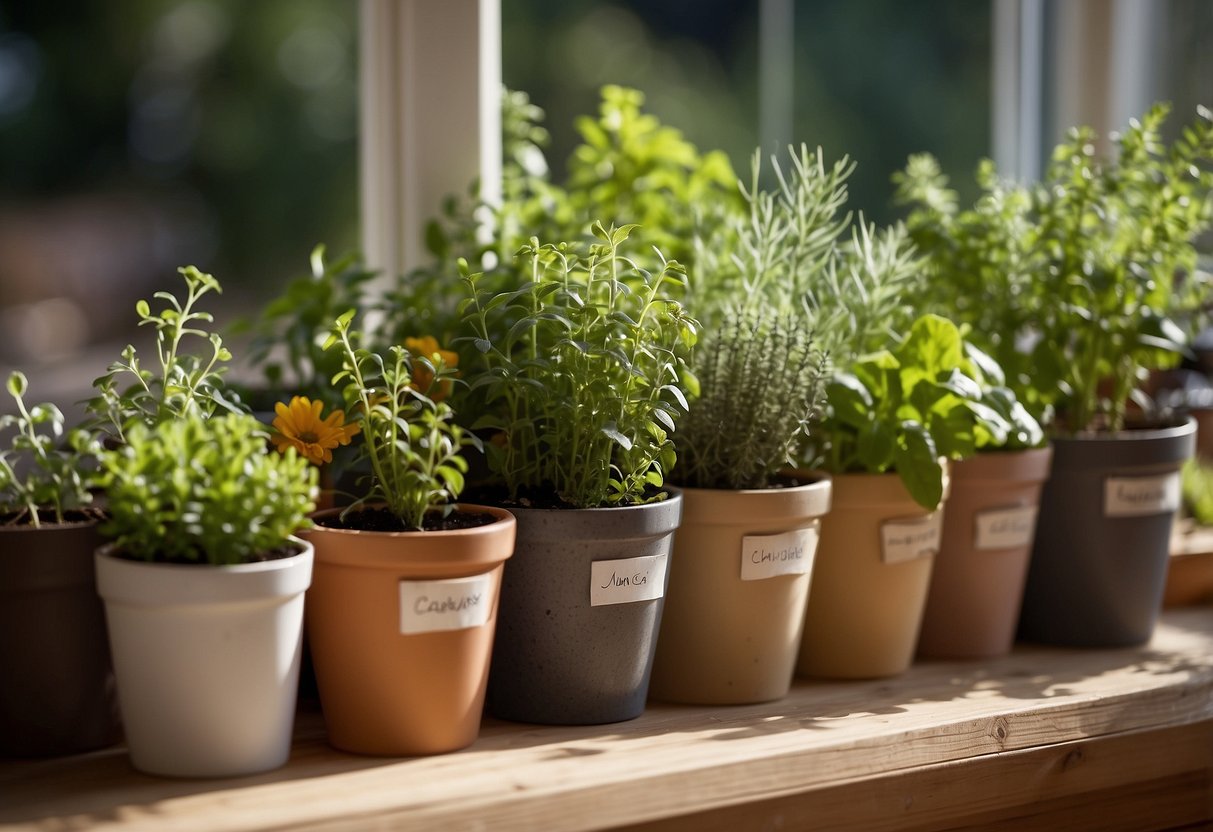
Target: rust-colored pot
[401,630]
[978,579]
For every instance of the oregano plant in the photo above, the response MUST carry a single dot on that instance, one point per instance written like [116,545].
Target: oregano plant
[1080,284]
[580,372]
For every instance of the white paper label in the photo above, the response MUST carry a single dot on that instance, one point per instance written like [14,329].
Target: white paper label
[1139,496]
[1005,528]
[452,604]
[626,581]
[770,555]
[910,539]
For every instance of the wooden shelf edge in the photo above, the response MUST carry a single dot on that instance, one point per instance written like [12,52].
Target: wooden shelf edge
[822,740]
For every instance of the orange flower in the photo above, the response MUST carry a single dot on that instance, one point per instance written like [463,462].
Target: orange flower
[299,426]
[427,347]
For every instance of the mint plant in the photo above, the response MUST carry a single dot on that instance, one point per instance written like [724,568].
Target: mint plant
[45,476]
[411,441]
[906,408]
[181,383]
[1081,284]
[580,372]
[206,491]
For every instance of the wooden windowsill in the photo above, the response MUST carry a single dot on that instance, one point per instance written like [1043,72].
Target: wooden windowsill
[1101,739]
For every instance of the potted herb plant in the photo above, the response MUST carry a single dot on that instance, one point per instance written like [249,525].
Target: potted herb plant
[402,612]
[1092,268]
[577,375]
[203,588]
[57,697]
[894,418]
[744,552]
[203,584]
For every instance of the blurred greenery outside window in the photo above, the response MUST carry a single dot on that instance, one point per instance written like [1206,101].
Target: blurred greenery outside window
[137,135]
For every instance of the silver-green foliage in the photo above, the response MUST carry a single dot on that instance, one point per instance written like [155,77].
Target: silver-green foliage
[410,440]
[761,386]
[195,490]
[43,471]
[182,383]
[581,372]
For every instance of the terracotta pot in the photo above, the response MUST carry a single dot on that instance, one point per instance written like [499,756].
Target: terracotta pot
[207,660]
[977,582]
[397,675]
[57,695]
[1099,562]
[870,580]
[734,609]
[580,610]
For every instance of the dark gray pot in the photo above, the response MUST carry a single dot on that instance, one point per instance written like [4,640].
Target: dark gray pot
[1097,580]
[557,660]
[57,691]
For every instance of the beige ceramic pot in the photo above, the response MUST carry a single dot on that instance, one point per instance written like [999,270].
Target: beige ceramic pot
[870,580]
[977,583]
[401,627]
[739,580]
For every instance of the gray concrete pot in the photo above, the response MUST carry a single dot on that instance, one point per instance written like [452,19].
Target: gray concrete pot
[1099,563]
[581,603]
[56,680]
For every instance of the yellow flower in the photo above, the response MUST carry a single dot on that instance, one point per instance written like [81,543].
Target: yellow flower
[299,426]
[427,347]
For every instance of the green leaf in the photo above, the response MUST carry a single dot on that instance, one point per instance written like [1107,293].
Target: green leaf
[17,384]
[875,446]
[916,461]
[611,429]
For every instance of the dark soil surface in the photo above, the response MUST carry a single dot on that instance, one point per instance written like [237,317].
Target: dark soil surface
[382,520]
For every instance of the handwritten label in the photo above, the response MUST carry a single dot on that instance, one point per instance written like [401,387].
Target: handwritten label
[1139,496]
[626,581]
[452,604]
[904,540]
[1005,528]
[770,555]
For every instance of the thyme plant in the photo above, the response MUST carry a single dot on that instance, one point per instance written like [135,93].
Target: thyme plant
[41,477]
[410,439]
[580,372]
[761,388]
[197,490]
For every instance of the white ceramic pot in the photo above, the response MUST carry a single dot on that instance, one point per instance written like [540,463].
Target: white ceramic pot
[206,660]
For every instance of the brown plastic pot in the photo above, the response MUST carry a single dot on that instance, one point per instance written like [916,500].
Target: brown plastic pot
[978,578]
[389,692]
[57,692]
[739,581]
[867,598]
